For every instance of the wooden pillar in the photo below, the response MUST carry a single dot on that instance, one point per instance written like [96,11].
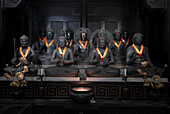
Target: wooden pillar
[2,38]
[168,27]
[84,14]
[2,28]
[30,25]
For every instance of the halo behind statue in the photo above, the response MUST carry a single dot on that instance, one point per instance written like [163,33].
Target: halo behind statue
[109,37]
[81,30]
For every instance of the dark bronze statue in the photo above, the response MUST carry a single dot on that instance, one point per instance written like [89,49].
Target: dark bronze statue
[82,47]
[102,57]
[62,57]
[70,38]
[125,38]
[24,55]
[48,48]
[40,44]
[118,48]
[137,55]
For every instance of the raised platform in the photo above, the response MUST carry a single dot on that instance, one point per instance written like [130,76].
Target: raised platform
[103,87]
[60,87]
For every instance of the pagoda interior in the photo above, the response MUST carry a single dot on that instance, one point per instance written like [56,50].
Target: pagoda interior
[48,90]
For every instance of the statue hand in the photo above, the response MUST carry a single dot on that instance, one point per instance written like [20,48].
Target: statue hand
[144,64]
[62,60]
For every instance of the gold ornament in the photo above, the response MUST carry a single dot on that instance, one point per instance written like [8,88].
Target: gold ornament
[19,75]
[156,79]
[22,59]
[8,75]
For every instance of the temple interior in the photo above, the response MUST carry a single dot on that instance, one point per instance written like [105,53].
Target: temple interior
[84,56]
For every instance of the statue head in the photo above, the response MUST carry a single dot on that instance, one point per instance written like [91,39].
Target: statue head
[83,34]
[62,41]
[24,41]
[102,39]
[43,32]
[125,35]
[117,34]
[137,38]
[62,33]
[50,33]
[69,34]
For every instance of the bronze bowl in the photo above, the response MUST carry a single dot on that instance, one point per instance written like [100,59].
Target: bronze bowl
[81,94]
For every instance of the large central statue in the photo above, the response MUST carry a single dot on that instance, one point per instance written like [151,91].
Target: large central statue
[118,48]
[48,47]
[62,57]
[137,56]
[102,57]
[82,47]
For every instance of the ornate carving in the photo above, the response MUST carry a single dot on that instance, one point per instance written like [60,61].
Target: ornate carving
[101,90]
[51,90]
[63,90]
[113,91]
[138,91]
[3,90]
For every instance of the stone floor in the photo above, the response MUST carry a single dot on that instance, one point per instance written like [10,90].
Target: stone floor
[67,106]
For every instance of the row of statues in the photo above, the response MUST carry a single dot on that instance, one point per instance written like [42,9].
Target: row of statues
[100,48]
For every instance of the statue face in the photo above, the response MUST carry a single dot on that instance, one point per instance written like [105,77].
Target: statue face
[23,42]
[43,34]
[50,34]
[138,40]
[102,43]
[83,36]
[62,43]
[69,36]
[125,35]
[117,35]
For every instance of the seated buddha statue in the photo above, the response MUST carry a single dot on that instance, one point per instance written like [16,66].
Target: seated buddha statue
[70,38]
[24,55]
[48,48]
[118,48]
[63,58]
[102,57]
[125,38]
[38,45]
[137,56]
[82,47]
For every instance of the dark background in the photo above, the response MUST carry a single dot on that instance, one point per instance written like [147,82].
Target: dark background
[129,15]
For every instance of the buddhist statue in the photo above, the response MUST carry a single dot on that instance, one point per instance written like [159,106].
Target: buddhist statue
[125,38]
[70,38]
[48,48]
[102,57]
[40,44]
[137,56]
[63,58]
[118,48]
[23,56]
[82,47]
